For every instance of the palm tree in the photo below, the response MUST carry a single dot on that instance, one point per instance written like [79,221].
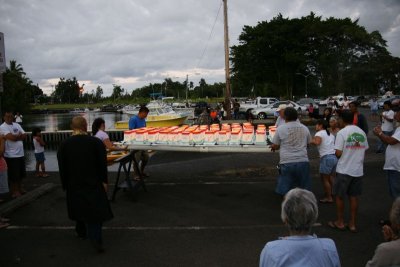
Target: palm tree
[16,68]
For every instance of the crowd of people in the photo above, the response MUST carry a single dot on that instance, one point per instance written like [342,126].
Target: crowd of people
[341,139]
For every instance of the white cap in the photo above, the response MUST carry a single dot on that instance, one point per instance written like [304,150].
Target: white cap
[281,107]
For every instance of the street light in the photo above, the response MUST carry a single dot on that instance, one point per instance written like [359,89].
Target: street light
[305,79]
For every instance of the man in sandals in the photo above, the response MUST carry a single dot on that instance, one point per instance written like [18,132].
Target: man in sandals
[350,146]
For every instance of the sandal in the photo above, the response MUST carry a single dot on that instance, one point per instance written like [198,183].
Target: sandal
[4,220]
[325,201]
[333,225]
[352,229]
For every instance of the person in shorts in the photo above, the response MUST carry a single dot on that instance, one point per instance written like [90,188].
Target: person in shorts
[39,144]
[14,153]
[350,146]
[325,142]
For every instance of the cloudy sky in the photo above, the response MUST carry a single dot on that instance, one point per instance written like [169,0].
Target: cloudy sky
[135,42]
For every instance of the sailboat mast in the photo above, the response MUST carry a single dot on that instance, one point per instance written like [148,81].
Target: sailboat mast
[227,75]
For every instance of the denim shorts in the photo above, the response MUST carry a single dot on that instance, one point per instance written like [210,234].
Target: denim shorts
[40,157]
[394,182]
[292,175]
[327,164]
[346,185]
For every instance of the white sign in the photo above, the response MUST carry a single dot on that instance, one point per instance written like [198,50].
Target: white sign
[2,54]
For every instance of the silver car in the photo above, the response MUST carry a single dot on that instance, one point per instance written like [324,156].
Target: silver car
[271,110]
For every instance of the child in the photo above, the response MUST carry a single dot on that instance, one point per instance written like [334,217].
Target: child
[39,144]
[3,180]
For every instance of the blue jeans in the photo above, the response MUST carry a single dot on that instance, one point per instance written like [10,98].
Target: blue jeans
[381,145]
[394,182]
[292,175]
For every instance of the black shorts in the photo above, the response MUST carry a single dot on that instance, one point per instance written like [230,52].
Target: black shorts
[16,169]
[346,185]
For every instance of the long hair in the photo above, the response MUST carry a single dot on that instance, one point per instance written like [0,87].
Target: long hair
[96,125]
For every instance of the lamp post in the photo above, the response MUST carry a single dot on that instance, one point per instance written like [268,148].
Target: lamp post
[305,79]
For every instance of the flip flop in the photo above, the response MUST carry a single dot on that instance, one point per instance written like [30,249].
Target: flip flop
[4,220]
[325,201]
[333,225]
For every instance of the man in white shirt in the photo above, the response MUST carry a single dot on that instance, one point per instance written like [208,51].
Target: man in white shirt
[387,124]
[14,153]
[350,146]
[392,157]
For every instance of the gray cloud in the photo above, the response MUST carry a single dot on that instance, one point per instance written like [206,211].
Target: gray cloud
[136,42]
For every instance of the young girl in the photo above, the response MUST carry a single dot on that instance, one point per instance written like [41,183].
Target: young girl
[39,144]
[3,180]
[325,142]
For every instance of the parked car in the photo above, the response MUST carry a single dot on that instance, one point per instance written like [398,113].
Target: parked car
[383,100]
[256,103]
[270,110]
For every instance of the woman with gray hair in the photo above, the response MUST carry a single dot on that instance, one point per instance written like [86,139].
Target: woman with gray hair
[387,254]
[300,248]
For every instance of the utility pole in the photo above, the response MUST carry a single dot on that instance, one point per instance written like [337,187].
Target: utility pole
[227,75]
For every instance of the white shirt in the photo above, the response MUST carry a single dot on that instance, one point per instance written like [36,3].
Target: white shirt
[13,149]
[327,146]
[387,126]
[102,135]
[392,156]
[293,138]
[38,147]
[352,141]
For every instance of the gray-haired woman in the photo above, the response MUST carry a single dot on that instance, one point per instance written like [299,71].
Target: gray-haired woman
[387,254]
[300,248]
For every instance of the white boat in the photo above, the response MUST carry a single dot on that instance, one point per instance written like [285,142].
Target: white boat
[130,109]
[77,110]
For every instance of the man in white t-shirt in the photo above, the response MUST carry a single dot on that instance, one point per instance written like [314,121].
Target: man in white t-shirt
[14,153]
[387,124]
[350,146]
[392,157]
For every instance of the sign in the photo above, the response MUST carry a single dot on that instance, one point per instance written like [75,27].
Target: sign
[2,61]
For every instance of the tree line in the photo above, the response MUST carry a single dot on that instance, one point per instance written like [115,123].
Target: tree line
[287,57]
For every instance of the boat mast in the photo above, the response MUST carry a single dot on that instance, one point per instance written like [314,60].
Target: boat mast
[227,76]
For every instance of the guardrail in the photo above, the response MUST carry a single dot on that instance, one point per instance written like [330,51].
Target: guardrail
[53,139]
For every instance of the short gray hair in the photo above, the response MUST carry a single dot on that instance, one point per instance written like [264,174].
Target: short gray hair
[299,210]
[395,212]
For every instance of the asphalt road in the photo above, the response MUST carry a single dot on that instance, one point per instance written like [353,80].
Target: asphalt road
[200,210]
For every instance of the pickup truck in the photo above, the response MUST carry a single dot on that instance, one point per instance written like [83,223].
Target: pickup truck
[259,102]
